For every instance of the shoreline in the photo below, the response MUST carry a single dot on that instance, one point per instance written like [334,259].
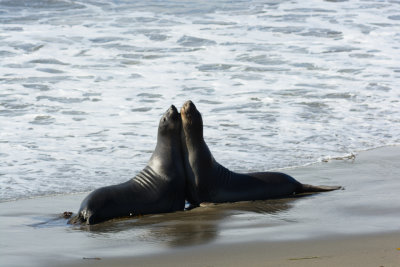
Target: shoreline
[348,156]
[357,226]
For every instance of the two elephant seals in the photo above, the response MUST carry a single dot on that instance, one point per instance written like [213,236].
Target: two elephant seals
[209,181]
[158,188]
[180,167]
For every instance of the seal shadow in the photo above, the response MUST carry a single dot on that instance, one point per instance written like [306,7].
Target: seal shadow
[54,220]
[197,226]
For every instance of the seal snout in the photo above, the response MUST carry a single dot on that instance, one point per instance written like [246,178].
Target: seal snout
[188,106]
[188,111]
[172,112]
[173,108]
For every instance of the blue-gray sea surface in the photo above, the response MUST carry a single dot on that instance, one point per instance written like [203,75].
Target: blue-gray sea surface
[279,83]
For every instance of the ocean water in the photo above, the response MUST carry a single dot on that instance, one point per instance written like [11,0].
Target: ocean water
[279,83]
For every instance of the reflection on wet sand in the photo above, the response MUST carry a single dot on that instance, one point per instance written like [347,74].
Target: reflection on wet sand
[198,226]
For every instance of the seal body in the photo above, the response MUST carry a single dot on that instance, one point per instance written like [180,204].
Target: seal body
[158,188]
[209,181]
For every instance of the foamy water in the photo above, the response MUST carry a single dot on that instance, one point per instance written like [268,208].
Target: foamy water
[84,83]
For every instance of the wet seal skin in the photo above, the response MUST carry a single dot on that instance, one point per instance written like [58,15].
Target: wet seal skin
[209,181]
[158,188]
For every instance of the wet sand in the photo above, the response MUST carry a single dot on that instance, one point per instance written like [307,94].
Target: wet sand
[358,226]
[370,250]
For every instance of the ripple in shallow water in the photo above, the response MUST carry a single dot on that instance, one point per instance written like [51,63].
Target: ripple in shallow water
[41,87]
[65,100]
[144,109]
[43,120]
[195,41]
[49,70]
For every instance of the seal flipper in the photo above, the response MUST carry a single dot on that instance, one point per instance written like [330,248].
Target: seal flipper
[77,219]
[83,217]
[307,188]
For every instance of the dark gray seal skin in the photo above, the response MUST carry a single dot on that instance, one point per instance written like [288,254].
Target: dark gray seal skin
[209,181]
[158,188]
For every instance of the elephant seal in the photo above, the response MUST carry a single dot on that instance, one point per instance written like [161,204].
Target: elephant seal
[209,181]
[158,188]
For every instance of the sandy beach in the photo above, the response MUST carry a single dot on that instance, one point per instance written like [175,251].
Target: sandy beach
[308,88]
[357,226]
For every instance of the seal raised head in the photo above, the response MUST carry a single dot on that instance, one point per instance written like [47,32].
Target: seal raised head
[209,181]
[158,188]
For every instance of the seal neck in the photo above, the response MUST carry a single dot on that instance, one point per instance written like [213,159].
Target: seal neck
[167,148]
